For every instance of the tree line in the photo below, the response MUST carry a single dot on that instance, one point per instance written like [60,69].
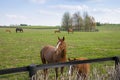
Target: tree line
[78,22]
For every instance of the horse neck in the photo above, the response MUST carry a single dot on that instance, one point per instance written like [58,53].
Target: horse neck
[62,53]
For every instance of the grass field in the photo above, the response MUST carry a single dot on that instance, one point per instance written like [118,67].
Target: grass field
[23,49]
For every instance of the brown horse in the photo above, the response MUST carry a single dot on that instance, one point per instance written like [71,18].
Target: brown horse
[51,54]
[7,30]
[70,30]
[82,69]
[57,31]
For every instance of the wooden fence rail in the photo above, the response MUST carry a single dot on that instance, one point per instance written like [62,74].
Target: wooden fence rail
[33,68]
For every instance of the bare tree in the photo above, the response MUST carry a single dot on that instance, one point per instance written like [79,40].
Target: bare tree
[77,21]
[66,21]
[86,23]
[93,24]
[89,22]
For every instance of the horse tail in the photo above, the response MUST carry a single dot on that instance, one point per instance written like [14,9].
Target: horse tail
[42,57]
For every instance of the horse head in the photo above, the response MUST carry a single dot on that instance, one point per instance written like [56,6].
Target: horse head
[61,45]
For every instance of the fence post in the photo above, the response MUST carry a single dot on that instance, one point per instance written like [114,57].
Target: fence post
[32,71]
[117,61]
[117,65]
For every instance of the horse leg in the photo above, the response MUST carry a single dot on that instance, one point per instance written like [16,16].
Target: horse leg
[84,77]
[62,68]
[81,76]
[45,74]
[78,77]
[56,70]
[44,62]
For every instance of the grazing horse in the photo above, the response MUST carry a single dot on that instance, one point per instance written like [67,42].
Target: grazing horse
[57,31]
[82,69]
[51,54]
[70,30]
[19,29]
[7,30]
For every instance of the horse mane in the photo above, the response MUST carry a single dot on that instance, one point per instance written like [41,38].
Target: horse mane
[63,52]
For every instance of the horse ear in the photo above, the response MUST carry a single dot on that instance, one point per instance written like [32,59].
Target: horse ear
[63,38]
[69,59]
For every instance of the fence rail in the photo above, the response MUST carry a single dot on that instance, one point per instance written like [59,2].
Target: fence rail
[33,68]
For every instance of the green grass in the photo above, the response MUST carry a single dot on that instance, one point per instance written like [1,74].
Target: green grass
[23,49]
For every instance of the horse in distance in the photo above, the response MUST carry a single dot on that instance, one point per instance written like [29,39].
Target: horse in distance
[57,31]
[82,69]
[7,30]
[19,29]
[51,54]
[70,30]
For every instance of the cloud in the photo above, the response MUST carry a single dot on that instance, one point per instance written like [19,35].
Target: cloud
[106,14]
[117,10]
[106,10]
[45,12]
[96,0]
[44,1]
[83,0]
[13,16]
[71,7]
[39,1]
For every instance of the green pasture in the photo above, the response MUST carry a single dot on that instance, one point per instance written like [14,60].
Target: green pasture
[23,49]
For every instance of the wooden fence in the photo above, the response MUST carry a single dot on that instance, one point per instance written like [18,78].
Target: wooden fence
[33,68]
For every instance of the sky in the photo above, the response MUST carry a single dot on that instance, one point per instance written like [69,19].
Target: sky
[50,12]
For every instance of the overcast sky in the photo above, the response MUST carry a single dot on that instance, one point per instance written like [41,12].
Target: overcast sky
[50,12]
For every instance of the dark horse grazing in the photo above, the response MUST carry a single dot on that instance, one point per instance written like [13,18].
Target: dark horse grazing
[51,54]
[19,29]
[82,69]
[70,30]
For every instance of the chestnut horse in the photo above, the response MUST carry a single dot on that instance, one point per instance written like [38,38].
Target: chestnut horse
[70,30]
[7,30]
[82,69]
[57,31]
[51,54]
